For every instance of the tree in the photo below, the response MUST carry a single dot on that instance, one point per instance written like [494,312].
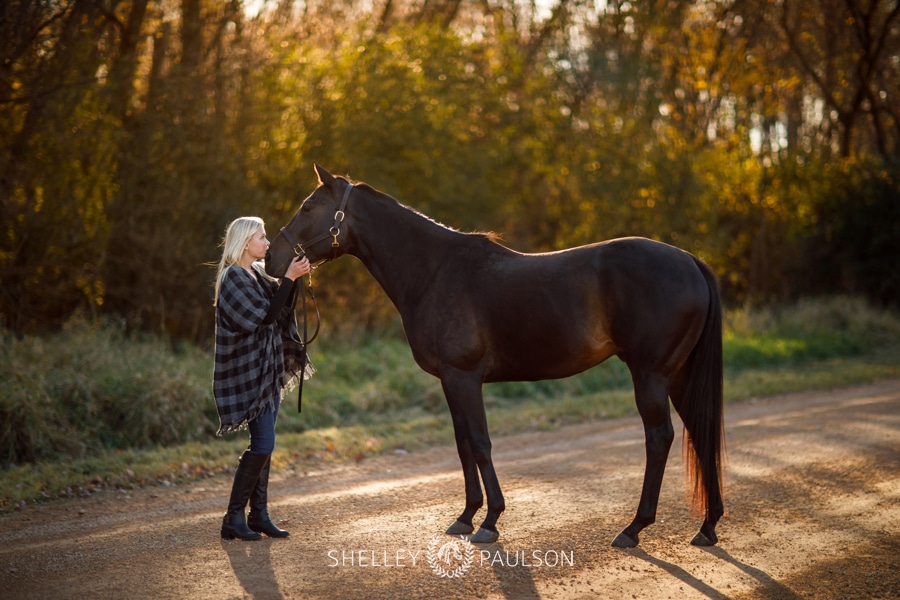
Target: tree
[55,160]
[133,131]
[844,47]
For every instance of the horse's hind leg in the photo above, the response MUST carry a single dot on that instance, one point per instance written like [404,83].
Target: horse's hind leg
[710,479]
[707,534]
[463,392]
[652,400]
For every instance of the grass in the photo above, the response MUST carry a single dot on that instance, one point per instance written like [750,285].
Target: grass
[94,410]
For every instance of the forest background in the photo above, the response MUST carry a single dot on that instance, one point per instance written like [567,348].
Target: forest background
[761,135]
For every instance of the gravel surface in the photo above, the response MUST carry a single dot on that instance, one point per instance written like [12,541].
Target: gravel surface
[812,499]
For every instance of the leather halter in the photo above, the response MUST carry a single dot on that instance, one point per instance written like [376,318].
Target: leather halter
[333,232]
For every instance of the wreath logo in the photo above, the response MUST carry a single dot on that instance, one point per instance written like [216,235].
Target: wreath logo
[450,559]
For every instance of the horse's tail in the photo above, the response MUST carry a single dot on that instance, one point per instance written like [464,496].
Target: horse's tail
[701,407]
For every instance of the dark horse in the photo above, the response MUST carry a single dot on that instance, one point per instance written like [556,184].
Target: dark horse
[475,311]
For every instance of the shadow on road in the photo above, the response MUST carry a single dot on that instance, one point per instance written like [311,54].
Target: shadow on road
[770,587]
[516,583]
[678,573]
[253,568]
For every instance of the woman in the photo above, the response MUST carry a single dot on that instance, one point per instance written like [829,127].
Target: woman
[258,359]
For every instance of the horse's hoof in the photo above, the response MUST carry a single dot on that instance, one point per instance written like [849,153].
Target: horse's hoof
[459,528]
[623,540]
[701,540]
[485,536]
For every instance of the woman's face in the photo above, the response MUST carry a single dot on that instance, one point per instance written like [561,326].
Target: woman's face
[258,245]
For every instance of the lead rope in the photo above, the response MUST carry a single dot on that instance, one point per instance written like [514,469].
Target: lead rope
[302,292]
[304,342]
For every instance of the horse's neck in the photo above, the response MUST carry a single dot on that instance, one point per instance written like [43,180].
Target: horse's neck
[401,248]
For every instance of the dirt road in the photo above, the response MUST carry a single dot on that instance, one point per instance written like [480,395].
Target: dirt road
[812,500]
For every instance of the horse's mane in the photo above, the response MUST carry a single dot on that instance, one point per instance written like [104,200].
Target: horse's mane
[487,235]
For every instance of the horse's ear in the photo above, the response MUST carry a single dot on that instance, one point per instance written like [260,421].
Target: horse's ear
[324,176]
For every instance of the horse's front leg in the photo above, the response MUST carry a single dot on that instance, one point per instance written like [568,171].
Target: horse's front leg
[474,497]
[463,393]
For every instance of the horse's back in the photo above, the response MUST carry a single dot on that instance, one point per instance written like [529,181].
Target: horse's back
[617,273]
[543,316]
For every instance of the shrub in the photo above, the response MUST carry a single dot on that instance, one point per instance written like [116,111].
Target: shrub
[92,388]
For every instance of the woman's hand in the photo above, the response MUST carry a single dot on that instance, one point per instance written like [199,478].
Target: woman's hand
[298,268]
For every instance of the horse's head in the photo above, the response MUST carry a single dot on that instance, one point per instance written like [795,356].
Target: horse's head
[315,229]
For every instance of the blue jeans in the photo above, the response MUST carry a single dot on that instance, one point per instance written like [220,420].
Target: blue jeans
[262,432]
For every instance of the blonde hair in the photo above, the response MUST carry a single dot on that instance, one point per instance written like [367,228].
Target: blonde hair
[237,235]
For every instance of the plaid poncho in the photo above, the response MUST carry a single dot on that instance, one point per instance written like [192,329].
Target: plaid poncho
[255,363]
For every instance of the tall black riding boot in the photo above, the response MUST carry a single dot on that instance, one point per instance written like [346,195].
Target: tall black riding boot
[234,524]
[258,519]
